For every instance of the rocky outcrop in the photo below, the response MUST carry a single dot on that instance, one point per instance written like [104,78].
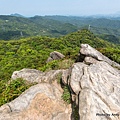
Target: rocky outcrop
[40,102]
[88,51]
[37,76]
[27,74]
[55,56]
[96,86]
[94,82]
[97,90]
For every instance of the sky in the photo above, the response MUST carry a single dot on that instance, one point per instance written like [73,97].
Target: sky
[59,7]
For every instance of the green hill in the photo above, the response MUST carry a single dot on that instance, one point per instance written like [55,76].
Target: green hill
[15,54]
[32,52]
[15,26]
[102,27]
[12,27]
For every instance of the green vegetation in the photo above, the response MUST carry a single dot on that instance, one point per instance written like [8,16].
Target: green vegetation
[32,52]
[25,51]
[17,26]
[57,64]
[112,53]
[12,27]
[110,38]
[106,28]
[12,89]
[75,113]
[66,94]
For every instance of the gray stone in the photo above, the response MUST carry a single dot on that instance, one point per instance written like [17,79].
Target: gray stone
[40,102]
[27,74]
[91,52]
[97,90]
[37,76]
[65,76]
[56,55]
[49,59]
[90,60]
[96,86]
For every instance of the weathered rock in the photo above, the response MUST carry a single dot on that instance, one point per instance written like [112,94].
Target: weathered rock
[33,75]
[50,76]
[97,89]
[90,60]
[88,51]
[49,59]
[96,86]
[27,74]
[55,56]
[40,102]
[65,76]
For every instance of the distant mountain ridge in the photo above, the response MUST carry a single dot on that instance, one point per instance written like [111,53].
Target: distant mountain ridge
[12,26]
[16,26]
[17,15]
[100,26]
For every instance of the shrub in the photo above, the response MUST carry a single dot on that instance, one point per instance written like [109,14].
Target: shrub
[66,94]
[13,89]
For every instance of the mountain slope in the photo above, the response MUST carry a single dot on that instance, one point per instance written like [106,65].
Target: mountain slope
[36,50]
[13,27]
[82,21]
[54,26]
[33,52]
[99,26]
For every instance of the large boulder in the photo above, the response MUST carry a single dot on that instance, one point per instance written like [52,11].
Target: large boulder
[27,74]
[55,56]
[97,90]
[88,51]
[95,83]
[40,102]
[33,75]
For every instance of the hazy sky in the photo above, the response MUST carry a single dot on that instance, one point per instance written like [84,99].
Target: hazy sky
[59,7]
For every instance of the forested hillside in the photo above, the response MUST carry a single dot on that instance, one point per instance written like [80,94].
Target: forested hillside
[32,52]
[103,27]
[16,26]
[93,21]
[12,27]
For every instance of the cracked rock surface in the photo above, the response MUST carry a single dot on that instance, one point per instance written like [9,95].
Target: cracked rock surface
[96,86]
[39,102]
